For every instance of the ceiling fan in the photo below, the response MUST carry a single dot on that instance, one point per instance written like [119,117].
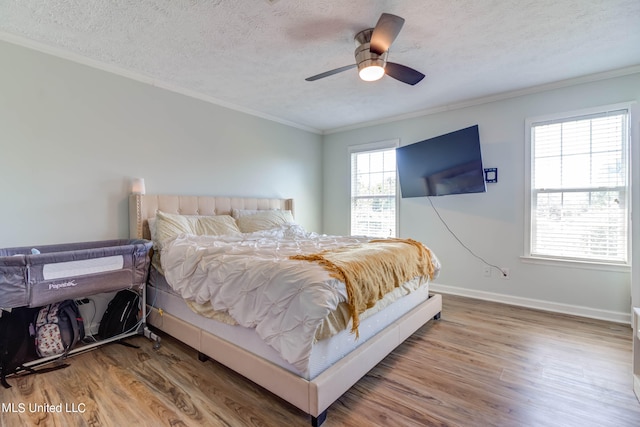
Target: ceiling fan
[372,48]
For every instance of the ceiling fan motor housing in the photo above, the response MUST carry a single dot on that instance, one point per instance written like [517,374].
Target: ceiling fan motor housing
[364,57]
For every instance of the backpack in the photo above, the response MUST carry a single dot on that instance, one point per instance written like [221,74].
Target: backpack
[59,327]
[16,341]
[121,315]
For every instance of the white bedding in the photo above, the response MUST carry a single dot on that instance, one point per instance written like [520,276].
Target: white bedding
[251,277]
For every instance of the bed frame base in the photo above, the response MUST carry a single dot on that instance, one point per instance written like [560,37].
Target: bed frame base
[312,396]
[317,421]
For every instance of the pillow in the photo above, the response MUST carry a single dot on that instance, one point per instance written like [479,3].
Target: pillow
[170,225]
[217,225]
[165,226]
[264,220]
[239,213]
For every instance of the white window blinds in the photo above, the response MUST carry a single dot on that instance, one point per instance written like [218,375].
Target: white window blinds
[373,192]
[579,197]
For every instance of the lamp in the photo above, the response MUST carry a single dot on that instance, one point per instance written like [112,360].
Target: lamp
[137,186]
[370,65]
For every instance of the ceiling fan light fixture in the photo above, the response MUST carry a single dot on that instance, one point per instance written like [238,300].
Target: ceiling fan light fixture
[372,49]
[371,73]
[370,65]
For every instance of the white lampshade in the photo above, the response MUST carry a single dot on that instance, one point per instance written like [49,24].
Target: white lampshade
[137,186]
[371,73]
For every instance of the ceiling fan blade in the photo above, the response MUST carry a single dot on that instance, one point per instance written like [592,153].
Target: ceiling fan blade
[385,32]
[403,73]
[330,73]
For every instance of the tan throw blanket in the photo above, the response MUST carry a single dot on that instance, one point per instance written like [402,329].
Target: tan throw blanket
[371,270]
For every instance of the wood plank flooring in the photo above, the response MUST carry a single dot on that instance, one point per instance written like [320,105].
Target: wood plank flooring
[482,364]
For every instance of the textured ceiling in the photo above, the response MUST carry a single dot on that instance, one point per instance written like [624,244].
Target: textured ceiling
[254,55]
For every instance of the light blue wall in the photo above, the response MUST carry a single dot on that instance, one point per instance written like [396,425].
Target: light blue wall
[72,137]
[492,223]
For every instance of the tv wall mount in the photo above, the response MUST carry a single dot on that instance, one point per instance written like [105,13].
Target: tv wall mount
[491,175]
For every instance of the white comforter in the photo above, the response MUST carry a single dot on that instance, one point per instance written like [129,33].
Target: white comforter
[251,277]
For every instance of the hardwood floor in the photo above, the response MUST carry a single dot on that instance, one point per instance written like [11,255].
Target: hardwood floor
[482,364]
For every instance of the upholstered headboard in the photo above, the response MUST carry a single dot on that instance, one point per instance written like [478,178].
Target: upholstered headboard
[144,206]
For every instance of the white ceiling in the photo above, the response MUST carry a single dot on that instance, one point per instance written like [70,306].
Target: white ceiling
[253,55]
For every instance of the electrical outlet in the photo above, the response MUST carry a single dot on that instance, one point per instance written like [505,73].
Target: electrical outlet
[487,271]
[506,274]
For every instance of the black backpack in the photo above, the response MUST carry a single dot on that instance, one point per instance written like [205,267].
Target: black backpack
[58,328]
[121,315]
[16,341]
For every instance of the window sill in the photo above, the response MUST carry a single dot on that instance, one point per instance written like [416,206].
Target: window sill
[568,263]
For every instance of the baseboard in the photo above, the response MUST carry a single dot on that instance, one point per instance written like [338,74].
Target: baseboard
[576,310]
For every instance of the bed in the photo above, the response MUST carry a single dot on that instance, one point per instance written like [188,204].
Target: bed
[333,364]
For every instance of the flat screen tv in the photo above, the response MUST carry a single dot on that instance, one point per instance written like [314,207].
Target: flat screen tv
[446,164]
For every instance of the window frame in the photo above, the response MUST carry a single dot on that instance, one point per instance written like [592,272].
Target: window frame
[390,144]
[529,193]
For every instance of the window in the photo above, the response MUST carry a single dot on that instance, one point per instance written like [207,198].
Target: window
[373,189]
[580,187]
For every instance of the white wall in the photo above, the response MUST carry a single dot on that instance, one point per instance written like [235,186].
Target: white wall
[72,137]
[492,223]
